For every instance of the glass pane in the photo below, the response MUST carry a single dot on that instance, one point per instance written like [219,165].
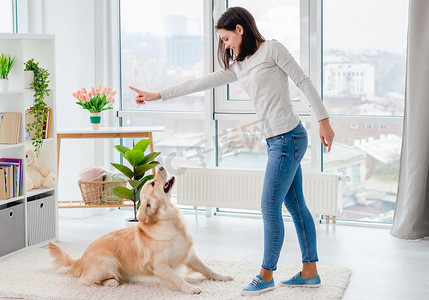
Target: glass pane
[162,45]
[180,144]
[369,153]
[276,19]
[6,19]
[241,145]
[364,56]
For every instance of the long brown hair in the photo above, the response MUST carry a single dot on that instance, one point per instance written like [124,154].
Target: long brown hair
[229,20]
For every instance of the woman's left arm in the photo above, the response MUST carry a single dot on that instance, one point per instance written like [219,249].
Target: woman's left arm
[287,63]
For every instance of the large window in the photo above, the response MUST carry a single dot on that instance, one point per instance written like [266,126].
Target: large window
[6,16]
[364,49]
[161,45]
[352,50]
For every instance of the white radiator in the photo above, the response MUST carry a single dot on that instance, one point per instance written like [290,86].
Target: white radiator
[242,189]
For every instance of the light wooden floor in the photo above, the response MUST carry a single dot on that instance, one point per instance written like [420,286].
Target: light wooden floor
[384,267]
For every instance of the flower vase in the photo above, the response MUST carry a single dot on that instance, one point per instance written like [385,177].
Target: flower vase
[95,119]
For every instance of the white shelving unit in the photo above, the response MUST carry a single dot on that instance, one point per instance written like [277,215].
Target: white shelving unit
[38,213]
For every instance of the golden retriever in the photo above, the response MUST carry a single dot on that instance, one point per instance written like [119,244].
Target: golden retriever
[157,246]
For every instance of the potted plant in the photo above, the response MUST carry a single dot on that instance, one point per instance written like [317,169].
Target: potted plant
[39,110]
[140,163]
[6,65]
[97,100]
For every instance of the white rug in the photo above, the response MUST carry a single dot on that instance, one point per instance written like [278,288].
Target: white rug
[29,274]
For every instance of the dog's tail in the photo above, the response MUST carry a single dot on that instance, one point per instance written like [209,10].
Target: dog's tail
[62,258]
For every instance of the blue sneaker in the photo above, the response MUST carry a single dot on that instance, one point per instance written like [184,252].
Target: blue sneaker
[257,286]
[297,280]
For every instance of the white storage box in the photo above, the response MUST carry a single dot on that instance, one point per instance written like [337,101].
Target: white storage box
[41,216]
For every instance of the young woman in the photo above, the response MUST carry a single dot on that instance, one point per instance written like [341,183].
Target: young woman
[263,68]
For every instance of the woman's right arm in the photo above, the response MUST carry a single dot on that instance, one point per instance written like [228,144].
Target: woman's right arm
[211,80]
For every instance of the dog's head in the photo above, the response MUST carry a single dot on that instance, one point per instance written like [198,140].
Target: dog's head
[155,197]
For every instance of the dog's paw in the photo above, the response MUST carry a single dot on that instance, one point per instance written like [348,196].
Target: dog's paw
[111,283]
[192,290]
[221,277]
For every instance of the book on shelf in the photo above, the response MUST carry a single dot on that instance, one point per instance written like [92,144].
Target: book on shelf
[18,172]
[7,172]
[10,123]
[47,126]
[29,119]
[3,195]
[10,182]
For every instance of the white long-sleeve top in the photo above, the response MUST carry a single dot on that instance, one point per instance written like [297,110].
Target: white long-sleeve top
[264,76]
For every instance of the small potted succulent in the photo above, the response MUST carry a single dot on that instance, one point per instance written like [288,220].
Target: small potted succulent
[6,64]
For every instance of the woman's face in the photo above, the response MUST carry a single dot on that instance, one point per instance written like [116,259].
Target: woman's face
[232,38]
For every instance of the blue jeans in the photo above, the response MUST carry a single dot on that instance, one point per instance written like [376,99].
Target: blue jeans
[283,184]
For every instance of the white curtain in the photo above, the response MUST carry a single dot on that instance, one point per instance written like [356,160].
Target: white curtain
[411,219]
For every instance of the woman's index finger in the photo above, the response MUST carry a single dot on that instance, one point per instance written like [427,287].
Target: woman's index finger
[134,89]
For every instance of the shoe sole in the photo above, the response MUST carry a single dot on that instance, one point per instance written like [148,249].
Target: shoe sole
[303,285]
[245,293]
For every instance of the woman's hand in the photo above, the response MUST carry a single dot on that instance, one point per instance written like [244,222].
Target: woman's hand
[326,133]
[143,96]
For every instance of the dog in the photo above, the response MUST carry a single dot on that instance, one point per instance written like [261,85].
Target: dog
[156,246]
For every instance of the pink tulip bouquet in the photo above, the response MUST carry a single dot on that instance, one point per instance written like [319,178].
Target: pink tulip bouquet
[97,100]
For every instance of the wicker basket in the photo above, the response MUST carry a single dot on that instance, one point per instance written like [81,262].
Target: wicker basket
[100,192]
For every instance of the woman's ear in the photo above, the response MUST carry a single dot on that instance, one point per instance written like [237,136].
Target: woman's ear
[239,29]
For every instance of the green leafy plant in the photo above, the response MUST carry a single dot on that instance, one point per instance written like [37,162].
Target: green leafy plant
[41,88]
[6,65]
[140,163]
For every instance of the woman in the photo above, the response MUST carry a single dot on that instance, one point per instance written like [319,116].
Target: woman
[263,68]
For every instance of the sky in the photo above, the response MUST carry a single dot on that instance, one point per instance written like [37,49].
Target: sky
[365,24]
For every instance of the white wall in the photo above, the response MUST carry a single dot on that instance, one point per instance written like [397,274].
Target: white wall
[73,24]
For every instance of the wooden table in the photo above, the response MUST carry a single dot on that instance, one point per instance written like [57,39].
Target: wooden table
[103,133]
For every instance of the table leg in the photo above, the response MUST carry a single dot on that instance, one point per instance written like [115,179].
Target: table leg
[58,154]
[151,142]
